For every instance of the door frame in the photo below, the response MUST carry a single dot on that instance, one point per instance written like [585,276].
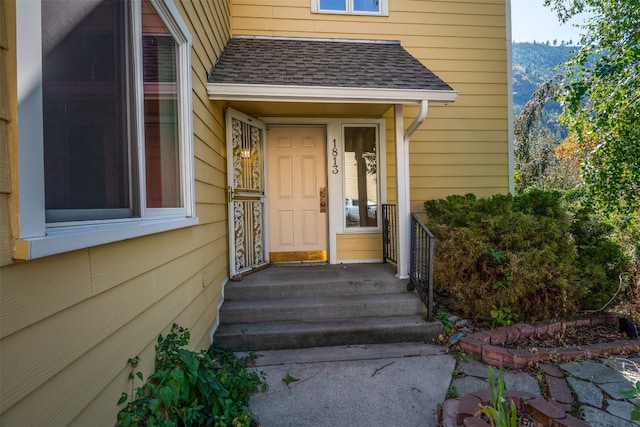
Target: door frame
[335,183]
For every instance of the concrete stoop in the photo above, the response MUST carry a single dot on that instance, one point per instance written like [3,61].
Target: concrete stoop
[285,307]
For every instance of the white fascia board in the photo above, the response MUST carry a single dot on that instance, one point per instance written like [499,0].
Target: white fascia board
[282,93]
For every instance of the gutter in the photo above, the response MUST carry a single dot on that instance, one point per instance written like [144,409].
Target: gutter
[284,93]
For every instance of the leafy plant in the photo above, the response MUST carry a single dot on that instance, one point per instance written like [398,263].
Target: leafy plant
[497,255]
[288,379]
[501,316]
[462,356]
[499,412]
[189,388]
[633,394]
[452,392]
[447,325]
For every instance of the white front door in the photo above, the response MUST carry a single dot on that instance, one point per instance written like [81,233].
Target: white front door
[245,192]
[297,188]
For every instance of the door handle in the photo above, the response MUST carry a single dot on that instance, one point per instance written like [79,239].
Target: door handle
[323,200]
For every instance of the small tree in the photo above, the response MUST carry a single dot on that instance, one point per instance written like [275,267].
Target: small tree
[600,94]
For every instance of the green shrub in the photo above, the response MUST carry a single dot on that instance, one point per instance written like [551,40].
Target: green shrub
[526,252]
[600,260]
[209,388]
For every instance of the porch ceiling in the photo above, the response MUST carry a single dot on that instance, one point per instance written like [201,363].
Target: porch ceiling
[330,71]
[309,109]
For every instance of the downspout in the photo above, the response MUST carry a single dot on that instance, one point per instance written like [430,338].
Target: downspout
[422,114]
[403,198]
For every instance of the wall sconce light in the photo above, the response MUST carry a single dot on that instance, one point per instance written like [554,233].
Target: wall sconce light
[245,153]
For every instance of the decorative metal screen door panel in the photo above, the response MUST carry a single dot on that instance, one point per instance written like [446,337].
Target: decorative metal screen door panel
[246,191]
[297,188]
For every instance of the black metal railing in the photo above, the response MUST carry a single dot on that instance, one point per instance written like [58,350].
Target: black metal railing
[389,234]
[421,266]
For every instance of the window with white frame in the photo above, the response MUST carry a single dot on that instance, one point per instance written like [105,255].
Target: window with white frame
[356,7]
[361,188]
[114,115]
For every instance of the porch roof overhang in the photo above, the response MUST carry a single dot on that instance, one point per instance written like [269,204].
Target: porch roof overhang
[277,69]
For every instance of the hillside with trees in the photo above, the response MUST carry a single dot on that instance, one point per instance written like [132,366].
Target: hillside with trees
[533,64]
[538,131]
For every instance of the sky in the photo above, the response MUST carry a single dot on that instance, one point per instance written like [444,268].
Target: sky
[532,21]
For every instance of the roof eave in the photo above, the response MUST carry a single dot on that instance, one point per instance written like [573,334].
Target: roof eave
[284,93]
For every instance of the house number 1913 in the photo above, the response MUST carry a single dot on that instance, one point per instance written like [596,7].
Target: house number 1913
[334,154]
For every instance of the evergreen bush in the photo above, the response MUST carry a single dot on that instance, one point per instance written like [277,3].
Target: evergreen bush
[529,253]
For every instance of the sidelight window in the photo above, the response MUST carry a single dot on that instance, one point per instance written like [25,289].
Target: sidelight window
[361,187]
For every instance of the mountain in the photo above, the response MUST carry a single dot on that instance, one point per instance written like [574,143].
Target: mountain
[533,64]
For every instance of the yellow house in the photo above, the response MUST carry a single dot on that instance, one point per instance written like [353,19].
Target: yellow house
[150,150]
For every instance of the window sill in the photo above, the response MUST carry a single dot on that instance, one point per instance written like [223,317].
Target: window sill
[66,239]
[361,230]
[342,12]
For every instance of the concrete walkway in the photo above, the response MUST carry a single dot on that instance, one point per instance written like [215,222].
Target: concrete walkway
[378,385]
[403,385]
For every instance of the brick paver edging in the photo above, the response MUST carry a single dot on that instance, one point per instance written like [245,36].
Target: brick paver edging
[461,411]
[488,346]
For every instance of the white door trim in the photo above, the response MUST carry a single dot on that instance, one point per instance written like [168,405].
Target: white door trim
[335,186]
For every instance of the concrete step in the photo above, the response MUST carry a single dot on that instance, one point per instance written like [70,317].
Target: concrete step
[320,308]
[300,334]
[316,285]
[310,306]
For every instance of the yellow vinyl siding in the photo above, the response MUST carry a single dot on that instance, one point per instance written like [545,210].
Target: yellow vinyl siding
[460,148]
[7,125]
[359,247]
[68,323]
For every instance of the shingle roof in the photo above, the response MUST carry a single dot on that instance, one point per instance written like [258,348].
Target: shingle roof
[322,63]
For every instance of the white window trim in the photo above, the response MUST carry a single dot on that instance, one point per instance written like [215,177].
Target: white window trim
[38,239]
[384,9]
[381,173]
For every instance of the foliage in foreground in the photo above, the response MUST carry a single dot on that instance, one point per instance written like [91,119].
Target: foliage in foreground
[209,388]
[600,95]
[633,394]
[499,412]
[530,254]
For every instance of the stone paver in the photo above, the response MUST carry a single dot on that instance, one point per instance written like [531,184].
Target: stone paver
[473,368]
[592,370]
[597,385]
[590,378]
[520,381]
[596,417]
[587,392]
[466,385]
[615,389]
[620,409]
[559,390]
